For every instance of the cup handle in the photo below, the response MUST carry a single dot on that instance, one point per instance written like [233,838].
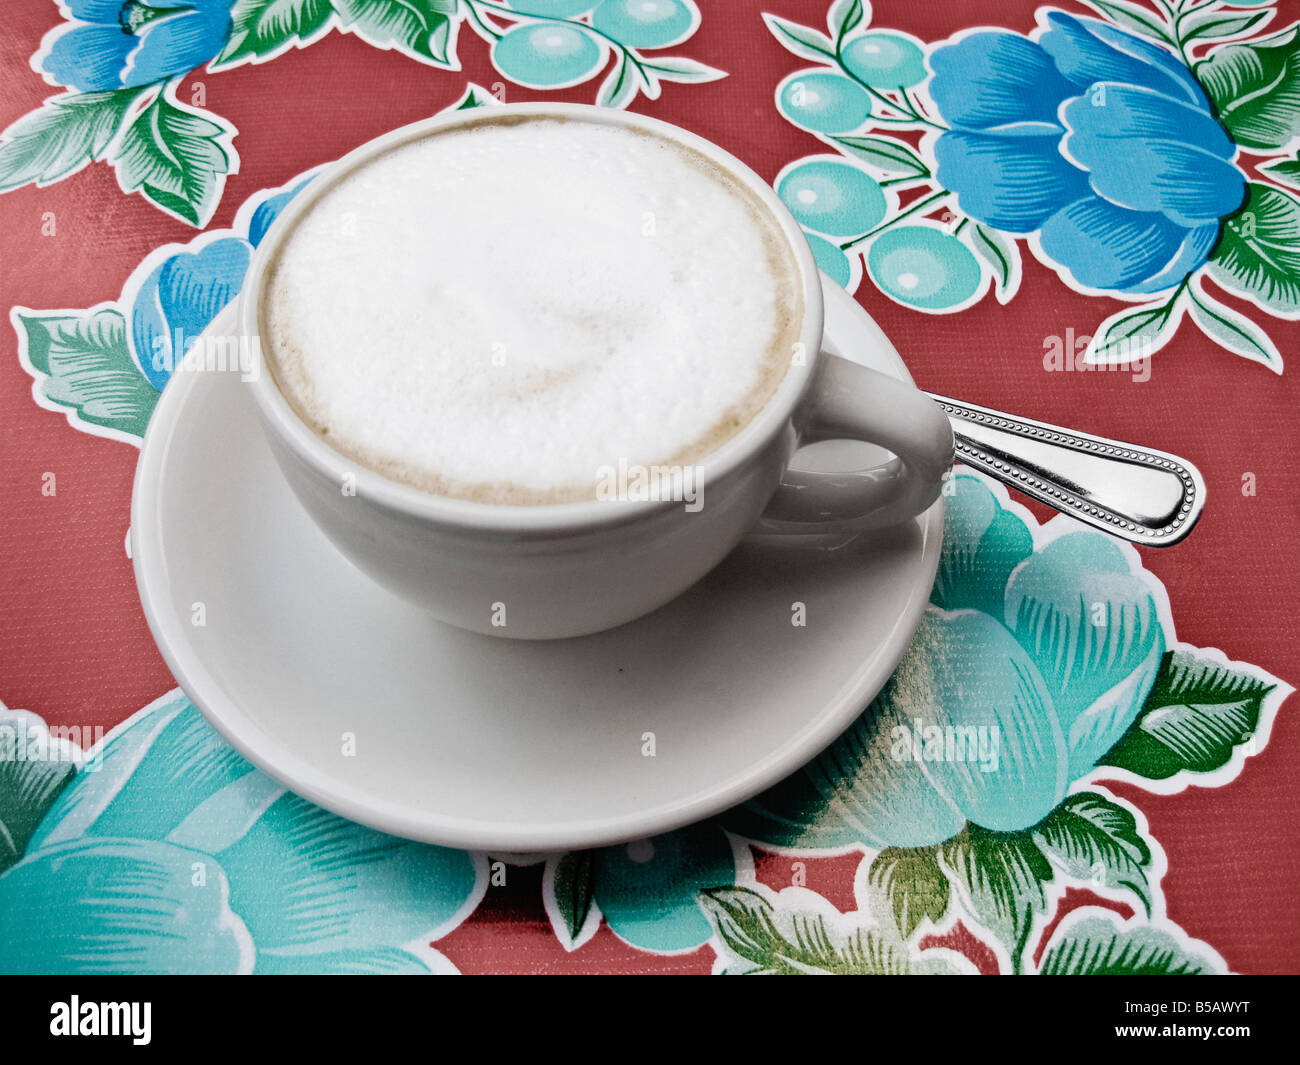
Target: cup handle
[848,401]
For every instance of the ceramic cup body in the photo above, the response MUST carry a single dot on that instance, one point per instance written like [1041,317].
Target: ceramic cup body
[569,569]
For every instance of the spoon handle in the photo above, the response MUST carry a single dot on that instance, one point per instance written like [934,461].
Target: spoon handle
[1149,497]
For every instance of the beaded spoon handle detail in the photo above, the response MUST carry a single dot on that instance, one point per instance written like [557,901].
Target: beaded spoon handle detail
[1146,496]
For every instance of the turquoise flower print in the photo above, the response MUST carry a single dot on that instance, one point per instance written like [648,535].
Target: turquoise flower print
[172,854]
[973,785]
[647,891]
[1036,660]
[109,44]
[1101,142]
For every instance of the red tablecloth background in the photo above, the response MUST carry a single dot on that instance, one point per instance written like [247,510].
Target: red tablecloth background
[73,642]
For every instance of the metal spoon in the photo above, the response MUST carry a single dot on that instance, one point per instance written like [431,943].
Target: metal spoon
[1137,493]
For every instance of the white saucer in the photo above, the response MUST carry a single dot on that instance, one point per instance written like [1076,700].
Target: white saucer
[494,744]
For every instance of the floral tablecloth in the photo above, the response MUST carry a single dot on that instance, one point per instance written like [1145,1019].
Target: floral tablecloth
[1089,213]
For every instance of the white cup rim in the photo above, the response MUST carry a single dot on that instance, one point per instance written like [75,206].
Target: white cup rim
[312,450]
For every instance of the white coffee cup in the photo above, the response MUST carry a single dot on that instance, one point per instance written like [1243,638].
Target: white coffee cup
[568,569]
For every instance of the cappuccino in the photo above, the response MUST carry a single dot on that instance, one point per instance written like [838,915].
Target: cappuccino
[500,311]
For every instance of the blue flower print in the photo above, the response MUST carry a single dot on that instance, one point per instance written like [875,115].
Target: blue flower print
[109,44]
[180,296]
[269,210]
[1101,142]
[179,300]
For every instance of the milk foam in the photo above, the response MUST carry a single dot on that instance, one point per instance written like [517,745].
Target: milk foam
[495,313]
